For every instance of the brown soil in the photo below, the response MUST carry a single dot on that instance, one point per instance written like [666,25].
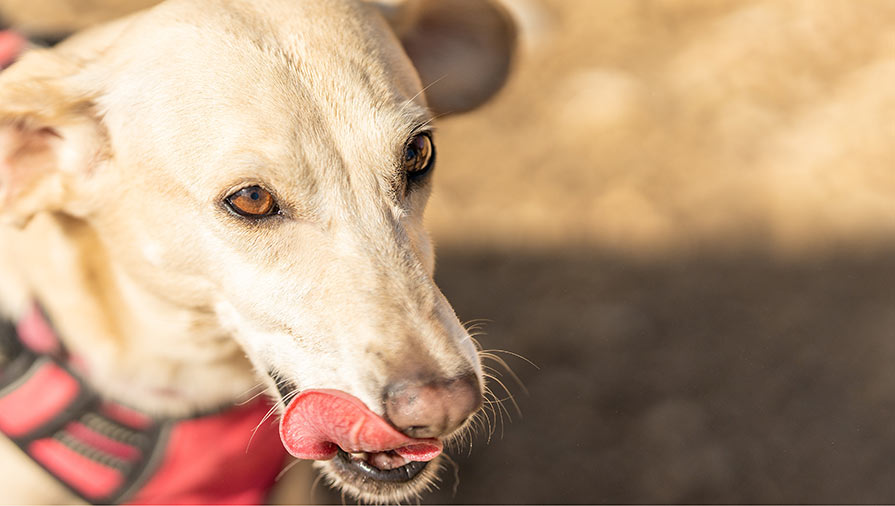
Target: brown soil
[683,213]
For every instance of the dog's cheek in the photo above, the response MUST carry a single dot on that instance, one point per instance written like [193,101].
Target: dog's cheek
[259,345]
[294,358]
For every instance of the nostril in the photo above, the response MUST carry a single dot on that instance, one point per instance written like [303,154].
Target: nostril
[433,408]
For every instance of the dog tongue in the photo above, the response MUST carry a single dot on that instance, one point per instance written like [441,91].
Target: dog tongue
[319,422]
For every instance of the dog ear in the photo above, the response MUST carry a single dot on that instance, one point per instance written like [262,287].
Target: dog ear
[48,136]
[462,49]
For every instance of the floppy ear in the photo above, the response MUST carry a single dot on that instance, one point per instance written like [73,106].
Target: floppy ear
[462,49]
[48,136]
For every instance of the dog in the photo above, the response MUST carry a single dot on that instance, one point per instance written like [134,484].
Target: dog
[210,199]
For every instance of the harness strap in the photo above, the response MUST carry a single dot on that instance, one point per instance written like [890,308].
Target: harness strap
[106,452]
[96,448]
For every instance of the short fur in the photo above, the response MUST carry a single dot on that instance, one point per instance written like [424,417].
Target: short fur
[118,146]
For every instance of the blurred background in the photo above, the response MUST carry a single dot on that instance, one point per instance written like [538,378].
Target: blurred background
[683,213]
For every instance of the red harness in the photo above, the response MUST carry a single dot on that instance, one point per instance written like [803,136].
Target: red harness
[107,452]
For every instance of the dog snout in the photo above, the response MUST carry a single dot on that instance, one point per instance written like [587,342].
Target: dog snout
[434,408]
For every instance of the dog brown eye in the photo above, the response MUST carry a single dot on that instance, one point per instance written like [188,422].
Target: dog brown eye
[419,155]
[252,202]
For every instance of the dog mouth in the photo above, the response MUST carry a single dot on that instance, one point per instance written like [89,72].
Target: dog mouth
[319,422]
[385,466]
[360,476]
[388,466]
[356,448]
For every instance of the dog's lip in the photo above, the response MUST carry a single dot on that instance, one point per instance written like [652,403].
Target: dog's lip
[367,467]
[319,423]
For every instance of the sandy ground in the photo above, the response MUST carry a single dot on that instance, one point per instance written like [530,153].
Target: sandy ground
[683,213]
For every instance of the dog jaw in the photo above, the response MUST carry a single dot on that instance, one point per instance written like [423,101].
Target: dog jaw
[381,493]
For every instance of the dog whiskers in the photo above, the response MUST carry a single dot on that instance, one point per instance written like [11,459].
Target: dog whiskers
[261,389]
[481,424]
[456,468]
[497,412]
[491,355]
[495,375]
[510,395]
[493,403]
[491,414]
[475,324]
[461,437]
[514,354]
[315,484]
[286,469]
[409,101]
[252,388]
[284,402]
[489,420]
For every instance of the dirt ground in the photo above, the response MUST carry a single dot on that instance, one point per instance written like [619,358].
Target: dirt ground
[683,213]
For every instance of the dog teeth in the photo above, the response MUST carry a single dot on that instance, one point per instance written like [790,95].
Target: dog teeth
[387,460]
[358,456]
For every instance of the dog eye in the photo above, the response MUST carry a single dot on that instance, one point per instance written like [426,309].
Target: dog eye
[419,156]
[252,202]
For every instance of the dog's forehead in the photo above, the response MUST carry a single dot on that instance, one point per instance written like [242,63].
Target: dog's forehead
[286,85]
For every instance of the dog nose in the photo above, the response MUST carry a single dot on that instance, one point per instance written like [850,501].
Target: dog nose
[432,409]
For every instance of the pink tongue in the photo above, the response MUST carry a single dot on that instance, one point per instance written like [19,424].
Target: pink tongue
[319,422]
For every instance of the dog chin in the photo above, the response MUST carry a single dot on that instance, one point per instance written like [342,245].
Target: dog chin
[371,491]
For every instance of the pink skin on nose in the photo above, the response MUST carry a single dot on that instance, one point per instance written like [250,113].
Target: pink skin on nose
[319,422]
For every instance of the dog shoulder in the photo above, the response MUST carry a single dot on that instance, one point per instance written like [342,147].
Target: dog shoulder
[24,482]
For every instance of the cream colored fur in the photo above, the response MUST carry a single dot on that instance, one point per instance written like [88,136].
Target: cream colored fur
[119,147]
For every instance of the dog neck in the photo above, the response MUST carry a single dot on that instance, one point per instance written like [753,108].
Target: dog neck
[135,346]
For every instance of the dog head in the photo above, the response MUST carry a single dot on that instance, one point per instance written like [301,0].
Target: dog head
[269,162]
